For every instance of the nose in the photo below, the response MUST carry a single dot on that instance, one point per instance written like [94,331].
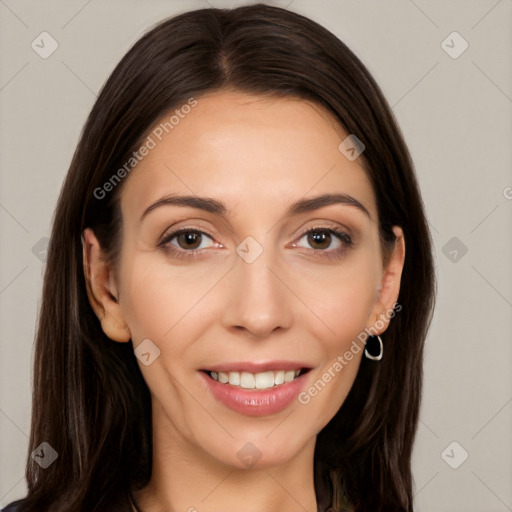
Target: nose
[258,299]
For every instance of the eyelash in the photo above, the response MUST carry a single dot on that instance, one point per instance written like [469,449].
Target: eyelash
[333,254]
[181,253]
[194,254]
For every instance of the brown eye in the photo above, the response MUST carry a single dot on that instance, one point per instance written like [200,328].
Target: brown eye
[189,240]
[319,239]
[327,242]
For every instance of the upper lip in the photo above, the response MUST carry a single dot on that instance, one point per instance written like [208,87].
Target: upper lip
[252,367]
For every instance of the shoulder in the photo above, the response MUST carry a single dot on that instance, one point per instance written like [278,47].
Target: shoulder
[12,507]
[15,507]
[116,504]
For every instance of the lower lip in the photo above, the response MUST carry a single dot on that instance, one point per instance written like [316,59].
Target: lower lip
[258,402]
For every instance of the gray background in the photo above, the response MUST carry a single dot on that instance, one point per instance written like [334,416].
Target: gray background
[456,117]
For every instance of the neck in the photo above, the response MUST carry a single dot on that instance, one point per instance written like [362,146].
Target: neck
[185,479]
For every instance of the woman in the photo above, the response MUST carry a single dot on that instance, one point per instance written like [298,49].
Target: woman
[238,286]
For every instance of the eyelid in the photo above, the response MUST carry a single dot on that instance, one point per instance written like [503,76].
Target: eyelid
[341,236]
[326,225]
[342,233]
[183,254]
[173,230]
[166,238]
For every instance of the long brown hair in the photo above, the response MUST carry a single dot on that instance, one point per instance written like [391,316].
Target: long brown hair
[90,401]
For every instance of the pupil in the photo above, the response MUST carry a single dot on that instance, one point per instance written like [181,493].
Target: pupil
[319,238]
[191,240]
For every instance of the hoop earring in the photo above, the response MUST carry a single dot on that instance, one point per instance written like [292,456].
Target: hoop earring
[381,351]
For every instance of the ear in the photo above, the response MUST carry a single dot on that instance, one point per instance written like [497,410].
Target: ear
[389,285]
[101,289]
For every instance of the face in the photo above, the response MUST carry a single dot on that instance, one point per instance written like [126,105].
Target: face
[232,272]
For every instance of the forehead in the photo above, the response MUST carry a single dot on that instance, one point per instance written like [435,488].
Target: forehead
[249,151]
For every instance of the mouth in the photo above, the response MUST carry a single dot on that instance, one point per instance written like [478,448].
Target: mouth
[256,381]
[256,389]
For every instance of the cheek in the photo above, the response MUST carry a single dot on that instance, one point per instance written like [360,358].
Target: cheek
[342,298]
[343,302]
[163,302]
[160,300]
[342,349]
[170,307]
[345,309]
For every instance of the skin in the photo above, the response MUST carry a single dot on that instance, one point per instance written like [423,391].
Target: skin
[258,155]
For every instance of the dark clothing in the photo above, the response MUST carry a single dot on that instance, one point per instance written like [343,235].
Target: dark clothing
[12,507]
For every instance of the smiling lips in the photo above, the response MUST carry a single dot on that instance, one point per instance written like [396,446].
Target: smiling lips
[256,389]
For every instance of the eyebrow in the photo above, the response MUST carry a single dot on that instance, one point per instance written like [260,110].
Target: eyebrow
[315,203]
[216,207]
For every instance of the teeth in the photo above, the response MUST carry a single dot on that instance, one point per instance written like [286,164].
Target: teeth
[289,376]
[279,377]
[264,380]
[247,380]
[261,380]
[234,378]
